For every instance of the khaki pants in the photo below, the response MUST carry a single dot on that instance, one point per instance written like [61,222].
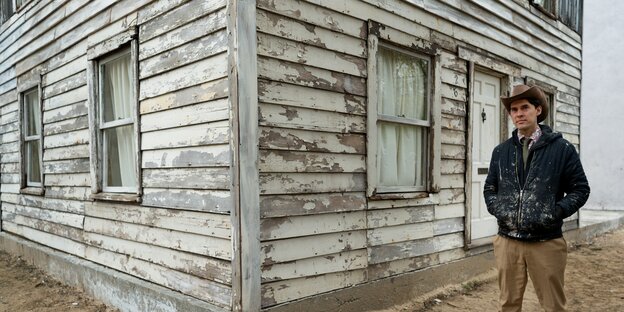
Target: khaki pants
[544,261]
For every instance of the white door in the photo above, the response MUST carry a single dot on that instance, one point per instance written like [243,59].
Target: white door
[485,136]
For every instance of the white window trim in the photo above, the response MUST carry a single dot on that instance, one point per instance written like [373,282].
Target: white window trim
[99,53]
[374,191]
[25,185]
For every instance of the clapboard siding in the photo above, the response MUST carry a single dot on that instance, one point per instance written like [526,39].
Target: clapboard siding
[201,48]
[203,267]
[293,29]
[310,204]
[54,228]
[285,227]
[283,291]
[349,260]
[202,223]
[45,238]
[292,51]
[187,284]
[292,95]
[180,235]
[306,113]
[188,199]
[189,242]
[205,70]
[186,157]
[195,135]
[299,140]
[188,115]
[182,35]
[63,218]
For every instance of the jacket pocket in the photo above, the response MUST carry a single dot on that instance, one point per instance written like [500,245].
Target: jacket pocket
[507,213]
[542,216]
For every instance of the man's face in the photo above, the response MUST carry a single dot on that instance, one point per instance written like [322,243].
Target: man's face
[524,115]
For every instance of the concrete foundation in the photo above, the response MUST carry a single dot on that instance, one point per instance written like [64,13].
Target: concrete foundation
[127,293]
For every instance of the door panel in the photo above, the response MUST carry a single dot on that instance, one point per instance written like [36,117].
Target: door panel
[485,136]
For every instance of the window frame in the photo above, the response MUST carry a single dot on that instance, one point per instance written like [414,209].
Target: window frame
[27,186]
[98,55]
[380,35]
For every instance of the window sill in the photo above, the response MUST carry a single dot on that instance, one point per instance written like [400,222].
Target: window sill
[33,190]
[117,197]
[417,198]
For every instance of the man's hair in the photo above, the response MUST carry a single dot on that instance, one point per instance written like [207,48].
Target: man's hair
[535,102]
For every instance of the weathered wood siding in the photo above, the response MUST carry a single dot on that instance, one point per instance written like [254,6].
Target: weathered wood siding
[180,235]
[319,230]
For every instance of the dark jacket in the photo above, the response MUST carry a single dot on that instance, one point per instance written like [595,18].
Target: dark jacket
[555,187]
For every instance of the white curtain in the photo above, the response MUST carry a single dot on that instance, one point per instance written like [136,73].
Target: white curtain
[34,113]
[118,105]
[402,90]
[33,134]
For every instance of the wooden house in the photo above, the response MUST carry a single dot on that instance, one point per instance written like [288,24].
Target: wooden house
[252,154]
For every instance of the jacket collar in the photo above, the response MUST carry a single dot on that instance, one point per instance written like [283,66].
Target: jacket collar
[547,136]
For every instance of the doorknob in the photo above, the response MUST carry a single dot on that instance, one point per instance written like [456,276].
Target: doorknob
[483,115]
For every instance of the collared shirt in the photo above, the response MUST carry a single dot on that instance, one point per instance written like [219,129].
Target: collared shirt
[534,137]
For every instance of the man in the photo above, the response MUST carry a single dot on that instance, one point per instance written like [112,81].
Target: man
[534,182]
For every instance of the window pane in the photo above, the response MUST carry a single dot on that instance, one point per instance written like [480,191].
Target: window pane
[116,84]
[6,10]
[403,85]
[32,113]
[33,171]
[549,119]
[120,167]
[401,155]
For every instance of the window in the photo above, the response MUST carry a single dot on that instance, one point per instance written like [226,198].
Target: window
[116,102]
[569,12]
[6,10]
[31,138]
[403,119]
[114,126]
[550,121]
[549,7]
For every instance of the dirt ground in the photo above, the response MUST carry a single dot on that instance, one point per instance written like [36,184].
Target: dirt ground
[594,283]
[25,288]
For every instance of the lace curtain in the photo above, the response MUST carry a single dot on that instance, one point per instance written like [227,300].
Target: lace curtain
[401,159]
[118,141]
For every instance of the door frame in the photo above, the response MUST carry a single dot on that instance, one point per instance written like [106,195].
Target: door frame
[508,73]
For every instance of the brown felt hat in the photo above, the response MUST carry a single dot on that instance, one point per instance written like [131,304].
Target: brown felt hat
[527,92]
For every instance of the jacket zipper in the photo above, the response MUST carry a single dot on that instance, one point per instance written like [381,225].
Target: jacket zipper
[526,178]
[519,218]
